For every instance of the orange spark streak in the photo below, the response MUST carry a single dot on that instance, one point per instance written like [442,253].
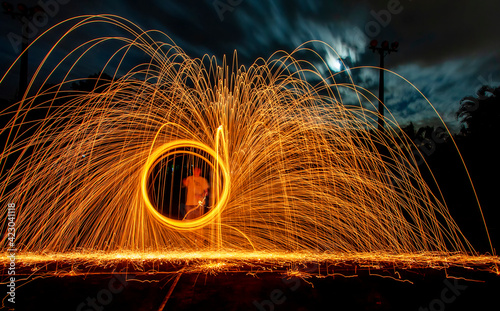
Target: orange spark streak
[295,172]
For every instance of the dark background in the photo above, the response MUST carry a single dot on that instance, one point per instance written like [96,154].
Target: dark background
[449,50]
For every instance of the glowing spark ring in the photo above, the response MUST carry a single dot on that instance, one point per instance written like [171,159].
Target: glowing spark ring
[214,211]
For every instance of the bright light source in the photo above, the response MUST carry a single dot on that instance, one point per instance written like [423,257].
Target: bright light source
[333,62]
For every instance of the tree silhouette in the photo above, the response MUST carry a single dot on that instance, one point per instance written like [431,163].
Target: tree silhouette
[94,83]
[478,114]
[477,140]
[409,130]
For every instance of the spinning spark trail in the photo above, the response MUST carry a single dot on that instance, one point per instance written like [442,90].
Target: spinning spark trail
[291,167]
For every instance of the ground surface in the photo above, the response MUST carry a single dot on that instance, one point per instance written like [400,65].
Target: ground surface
[251,285]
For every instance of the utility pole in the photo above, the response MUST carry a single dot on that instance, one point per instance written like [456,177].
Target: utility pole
[383,50]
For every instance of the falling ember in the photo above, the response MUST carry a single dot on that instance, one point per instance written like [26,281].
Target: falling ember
[292,169]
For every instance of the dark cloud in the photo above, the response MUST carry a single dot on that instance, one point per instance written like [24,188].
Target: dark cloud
[435,31]
[447,49]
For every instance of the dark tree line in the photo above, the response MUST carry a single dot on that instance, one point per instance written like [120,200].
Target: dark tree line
[477,142]
[479,114]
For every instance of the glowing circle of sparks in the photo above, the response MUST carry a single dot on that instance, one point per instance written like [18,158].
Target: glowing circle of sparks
[169,149]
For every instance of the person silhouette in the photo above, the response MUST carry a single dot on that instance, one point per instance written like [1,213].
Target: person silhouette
[197,191]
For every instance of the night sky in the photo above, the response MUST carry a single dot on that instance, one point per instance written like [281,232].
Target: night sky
[448,49]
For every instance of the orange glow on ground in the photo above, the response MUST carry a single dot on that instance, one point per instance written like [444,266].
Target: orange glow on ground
[209,262]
